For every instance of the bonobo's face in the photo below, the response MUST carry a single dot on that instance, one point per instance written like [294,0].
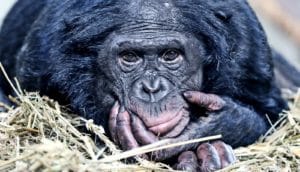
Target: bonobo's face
[150,72]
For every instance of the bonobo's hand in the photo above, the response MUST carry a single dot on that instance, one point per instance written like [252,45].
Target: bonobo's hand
[237,124]
[208,157]
[128,130]
[120,128]
[210,102]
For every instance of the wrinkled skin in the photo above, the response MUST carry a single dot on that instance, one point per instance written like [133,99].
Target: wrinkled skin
[150,70]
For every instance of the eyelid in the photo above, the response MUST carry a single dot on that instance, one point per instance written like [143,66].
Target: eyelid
[127,52]
[180,51]
[135,51]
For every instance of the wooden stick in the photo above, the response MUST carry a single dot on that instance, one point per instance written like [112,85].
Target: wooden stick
[154,147]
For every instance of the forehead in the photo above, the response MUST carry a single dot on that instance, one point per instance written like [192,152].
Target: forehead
[152,15]
[154,10]
[151,39]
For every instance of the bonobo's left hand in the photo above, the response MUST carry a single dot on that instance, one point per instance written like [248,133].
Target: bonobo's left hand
[234,121]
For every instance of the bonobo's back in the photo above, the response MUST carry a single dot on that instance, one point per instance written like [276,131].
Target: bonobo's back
[71,32]
[16,26]
[71,28]
[18,22]
[149,69]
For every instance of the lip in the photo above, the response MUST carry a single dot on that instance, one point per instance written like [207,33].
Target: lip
[166,126]
[177,130]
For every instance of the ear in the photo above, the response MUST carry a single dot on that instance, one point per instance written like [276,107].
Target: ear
[223,16]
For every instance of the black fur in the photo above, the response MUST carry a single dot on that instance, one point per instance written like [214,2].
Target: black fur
[54,47]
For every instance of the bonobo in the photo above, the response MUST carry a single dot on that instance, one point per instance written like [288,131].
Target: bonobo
[151,69]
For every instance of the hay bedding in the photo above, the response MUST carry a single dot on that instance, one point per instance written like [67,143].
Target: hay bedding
[39,135]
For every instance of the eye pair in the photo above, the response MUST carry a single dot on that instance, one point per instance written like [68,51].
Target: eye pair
[169,56]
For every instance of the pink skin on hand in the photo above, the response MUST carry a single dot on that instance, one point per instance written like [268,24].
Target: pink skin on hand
[130,132]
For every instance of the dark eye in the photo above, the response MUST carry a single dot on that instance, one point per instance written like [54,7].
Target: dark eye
[171,56]
[129,57]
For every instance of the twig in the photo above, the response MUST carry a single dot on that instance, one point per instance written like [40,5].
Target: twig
[150,148]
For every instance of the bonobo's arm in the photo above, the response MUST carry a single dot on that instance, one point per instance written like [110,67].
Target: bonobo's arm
[238,124]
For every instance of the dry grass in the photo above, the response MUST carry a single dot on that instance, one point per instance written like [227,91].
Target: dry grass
[39,135]
[279,150]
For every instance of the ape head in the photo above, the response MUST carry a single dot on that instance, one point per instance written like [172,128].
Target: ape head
[150,70]
[145,55]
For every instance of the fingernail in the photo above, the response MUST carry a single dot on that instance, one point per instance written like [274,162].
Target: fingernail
[122,109]
[116,105]
[187,95]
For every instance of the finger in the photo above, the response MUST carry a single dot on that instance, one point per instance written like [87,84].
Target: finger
[187,161]
[209,157]
[124,131]
[230,149]
[164,154]
[112,122]
[225,152]
[187,134]
[140,132]
[193,130]
[211,102]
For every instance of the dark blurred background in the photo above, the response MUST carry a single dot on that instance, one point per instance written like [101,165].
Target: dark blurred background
[280,18]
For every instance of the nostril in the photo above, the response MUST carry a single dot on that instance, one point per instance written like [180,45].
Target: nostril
[150,90]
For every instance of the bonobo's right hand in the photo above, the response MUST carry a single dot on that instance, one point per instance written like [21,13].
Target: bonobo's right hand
[128,130]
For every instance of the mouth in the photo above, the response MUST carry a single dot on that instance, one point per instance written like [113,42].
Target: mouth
[166,126]
[165,119]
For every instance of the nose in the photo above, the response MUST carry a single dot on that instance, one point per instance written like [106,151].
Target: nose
[151,89]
